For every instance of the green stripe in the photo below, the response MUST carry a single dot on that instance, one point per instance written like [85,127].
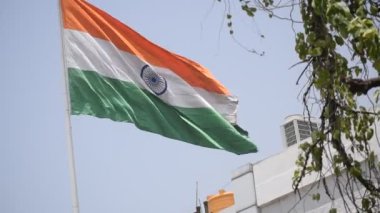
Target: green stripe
[95,95]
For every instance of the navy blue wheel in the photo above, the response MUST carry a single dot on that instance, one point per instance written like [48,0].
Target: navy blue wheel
[153,80]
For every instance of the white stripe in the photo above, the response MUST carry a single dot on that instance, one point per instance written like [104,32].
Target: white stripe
[88,53]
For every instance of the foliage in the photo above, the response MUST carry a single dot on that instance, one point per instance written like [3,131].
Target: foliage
[340,49]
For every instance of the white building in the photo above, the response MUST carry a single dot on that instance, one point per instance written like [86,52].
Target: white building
[266,186]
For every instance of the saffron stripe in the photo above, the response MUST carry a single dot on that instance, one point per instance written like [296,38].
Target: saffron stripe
[82,16]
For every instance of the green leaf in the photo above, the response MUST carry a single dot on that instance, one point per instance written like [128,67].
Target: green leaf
[367,22]
[365,203]
[355,171]
[376,64]
[301,46]
[268,2]
[337,159]
[377,95]
[354,25]
[339,40]
[333,210]
[372,158]
[314,137]
[336,134]
[323,78]
[296,173]
[321,43]
[249,13]
[342,6]
[370,34]
[369,134]
[311,37]
[357,71]
[374,10]
[315,51]
[337,171]
[316,197]
[304,146]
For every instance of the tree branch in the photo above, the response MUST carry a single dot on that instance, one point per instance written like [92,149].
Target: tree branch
[360,86]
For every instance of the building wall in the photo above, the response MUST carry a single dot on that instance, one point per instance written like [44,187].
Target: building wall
[291,202]
[243,183]
[266,186]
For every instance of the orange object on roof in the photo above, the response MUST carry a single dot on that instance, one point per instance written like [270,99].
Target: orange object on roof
[220,201]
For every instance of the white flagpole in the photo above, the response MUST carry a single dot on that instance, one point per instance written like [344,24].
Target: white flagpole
[69,137]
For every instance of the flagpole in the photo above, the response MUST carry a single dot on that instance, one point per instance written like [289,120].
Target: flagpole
[69,137]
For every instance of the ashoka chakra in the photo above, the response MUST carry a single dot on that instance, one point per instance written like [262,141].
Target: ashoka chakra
[153,80]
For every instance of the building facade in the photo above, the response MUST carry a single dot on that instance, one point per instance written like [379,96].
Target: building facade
[266,186]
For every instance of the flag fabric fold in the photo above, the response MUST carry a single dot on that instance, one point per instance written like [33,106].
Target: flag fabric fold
[114,72]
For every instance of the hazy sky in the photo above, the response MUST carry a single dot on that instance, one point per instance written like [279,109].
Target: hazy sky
[121,169]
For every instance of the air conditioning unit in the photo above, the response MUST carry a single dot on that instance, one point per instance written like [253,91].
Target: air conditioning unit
[296,129]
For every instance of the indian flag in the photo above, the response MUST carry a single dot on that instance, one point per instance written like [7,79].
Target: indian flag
[113,72]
